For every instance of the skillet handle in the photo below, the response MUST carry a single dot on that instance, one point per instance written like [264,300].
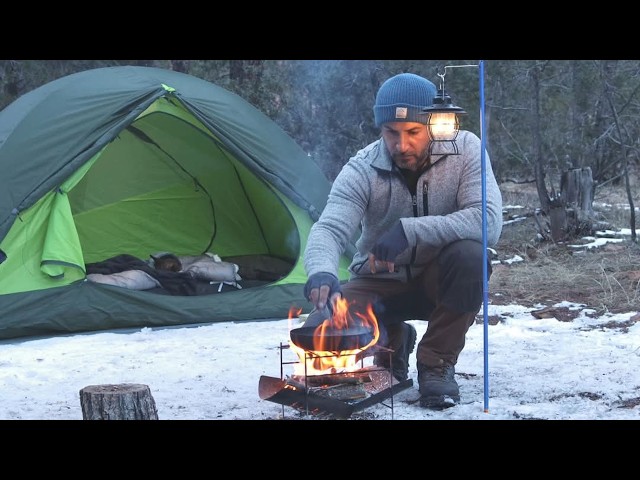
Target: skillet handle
[316,317]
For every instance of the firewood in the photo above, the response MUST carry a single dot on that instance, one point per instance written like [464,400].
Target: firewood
[338,379]
[345,391]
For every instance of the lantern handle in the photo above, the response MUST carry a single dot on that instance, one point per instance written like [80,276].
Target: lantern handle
[441,75]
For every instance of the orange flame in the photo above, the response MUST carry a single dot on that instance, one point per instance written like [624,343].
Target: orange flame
[327,355]
[294,312]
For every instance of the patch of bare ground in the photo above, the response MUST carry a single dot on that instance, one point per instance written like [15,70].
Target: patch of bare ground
[628,403]
[541,274]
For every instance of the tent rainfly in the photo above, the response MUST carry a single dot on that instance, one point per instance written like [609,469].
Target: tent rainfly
[104,168]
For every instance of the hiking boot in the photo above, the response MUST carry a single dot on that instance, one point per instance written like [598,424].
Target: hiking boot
[438,387]
[402,340]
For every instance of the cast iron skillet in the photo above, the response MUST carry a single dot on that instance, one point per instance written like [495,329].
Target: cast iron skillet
[332,340]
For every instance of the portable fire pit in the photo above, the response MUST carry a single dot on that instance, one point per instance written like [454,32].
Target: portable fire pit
[334,394]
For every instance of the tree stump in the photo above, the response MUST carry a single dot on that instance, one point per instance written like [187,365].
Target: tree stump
[126,401]
[576,187]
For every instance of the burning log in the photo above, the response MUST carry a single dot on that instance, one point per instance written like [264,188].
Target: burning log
[342,391]
[339,386]
[338,379]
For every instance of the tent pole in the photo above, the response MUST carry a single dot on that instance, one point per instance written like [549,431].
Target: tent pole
[485,280]
[485,270]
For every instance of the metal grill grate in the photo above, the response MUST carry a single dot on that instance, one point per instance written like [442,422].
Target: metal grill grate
[335,394]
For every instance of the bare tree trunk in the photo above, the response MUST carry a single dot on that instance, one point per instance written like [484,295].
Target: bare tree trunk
[180,65]
[576,192]
[558,222]
[12,81]
[625,149]
[540,164]
[632,217]
[551,219]
[575,160]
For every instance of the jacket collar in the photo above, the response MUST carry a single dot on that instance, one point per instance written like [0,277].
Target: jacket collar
[383,160]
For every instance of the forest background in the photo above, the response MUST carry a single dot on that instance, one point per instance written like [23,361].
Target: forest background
[556,114]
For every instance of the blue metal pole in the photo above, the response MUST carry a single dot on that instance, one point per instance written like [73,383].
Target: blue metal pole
[485,271]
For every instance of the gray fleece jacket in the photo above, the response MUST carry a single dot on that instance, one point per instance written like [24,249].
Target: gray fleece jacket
[370,192]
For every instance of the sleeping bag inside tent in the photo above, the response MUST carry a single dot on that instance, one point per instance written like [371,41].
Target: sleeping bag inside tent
[107,169]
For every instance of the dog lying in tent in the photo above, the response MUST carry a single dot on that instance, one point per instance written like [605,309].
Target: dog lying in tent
[186,275]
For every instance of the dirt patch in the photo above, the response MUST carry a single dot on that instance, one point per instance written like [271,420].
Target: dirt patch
[537,275]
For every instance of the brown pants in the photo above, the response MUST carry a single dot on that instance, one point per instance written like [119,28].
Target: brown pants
[448,294]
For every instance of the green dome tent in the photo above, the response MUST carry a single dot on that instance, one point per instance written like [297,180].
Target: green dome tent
[134,161]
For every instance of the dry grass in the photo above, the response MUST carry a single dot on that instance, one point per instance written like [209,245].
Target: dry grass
[606,278]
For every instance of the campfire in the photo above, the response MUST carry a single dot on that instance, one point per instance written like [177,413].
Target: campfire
[333,343]
[329,374]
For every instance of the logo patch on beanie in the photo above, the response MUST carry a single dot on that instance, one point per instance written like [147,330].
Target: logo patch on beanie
[401,112]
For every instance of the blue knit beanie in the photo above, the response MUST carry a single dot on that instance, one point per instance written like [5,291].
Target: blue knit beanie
[402,98]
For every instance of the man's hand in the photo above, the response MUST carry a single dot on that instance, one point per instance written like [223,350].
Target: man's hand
[389,246]
[321,288]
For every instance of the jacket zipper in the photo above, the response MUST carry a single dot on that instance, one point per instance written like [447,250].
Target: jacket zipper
[414,199]
[425,211]
[425,198]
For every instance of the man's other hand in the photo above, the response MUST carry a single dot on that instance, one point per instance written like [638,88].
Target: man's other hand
[389,246]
